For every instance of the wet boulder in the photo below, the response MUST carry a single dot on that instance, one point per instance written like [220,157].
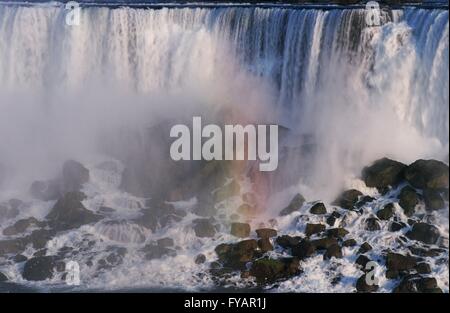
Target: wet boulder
[396,226]
[433,200]
[318,209]
[200,259]
[349,243]
[417,283]
[12,246]
[156,251]
[303,249]
[372,224]
[69,212]
[312,229]
[39,268]
[383,173]
[362,261]
[295,205]
[427,174]
[424,232]
[287,241]
[241,230]
[423,268]
[365,247]
[236,255]
[333,251]
[266,232]
[203,227]
[363,284]
[270,270]
[21,226]
[348,199]
[387,212]
[74,175]
[265,245]
[324,243]
[408,199]
[397,262]
[339,232]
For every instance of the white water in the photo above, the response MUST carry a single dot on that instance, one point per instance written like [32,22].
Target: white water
[362,93]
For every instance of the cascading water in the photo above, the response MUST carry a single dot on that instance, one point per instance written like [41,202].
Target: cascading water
[360,93]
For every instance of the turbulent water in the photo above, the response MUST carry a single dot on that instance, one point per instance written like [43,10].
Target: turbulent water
[358,92]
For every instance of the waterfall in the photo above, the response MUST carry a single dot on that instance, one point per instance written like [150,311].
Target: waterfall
[360,92]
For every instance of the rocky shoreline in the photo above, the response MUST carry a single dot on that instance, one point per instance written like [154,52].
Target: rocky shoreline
[259,257]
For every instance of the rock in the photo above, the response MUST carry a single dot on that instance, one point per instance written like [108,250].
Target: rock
[165,242]
[266,233]
[39,268]
[408,199]
[237,255]
[270,270]
[295,205]
[425,252]
[339,232]
[348,199]
[399,262]
[363,286]
[423,268]
[69,212]
[333,251]
[424,232]
[200,259]
[386,212]
[204,228]
[287,242]
[427,174]
[105,209]
[324,243]
[74,175]
[318,209]
[417,283]
[433,200]
[349,243]
[265,245]
[363,201]
[362,260]
[3,277]
[19,258]
[312,229]
[331,220]
[154,251]
[372,224]
[383,173]
[21,226]
[303,249]
[241,230]
[45,190]
[396,226]
[365,247]
[12,246]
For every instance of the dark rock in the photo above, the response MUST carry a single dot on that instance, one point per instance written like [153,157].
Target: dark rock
[417,283]
[363,201]
[399,262]
[265,245]
[200,259]
[396,226]
[3,277]
[324,243]
[39,238]
[408,199]
[270,270]
[349,243]
[363,286]
[372,224]
[424,232]
[303,249]
[427,174]
[433,200]
[12,246]
[383,173]
[21,226]
[348,199]
[266,233]
[105,209]
[39,268]
[411,221]
[287,242]
[331,220]
[425,252]
[69,212]
[74,175]
[237,255]
[153,251]
[318,208]
[386,212]
[365,247]
[241,230]
[165,242]
[295,205]
[204,228]
[333,251]
[19,258]
[337,232]
[362,260]
[312,229]
[423,268]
